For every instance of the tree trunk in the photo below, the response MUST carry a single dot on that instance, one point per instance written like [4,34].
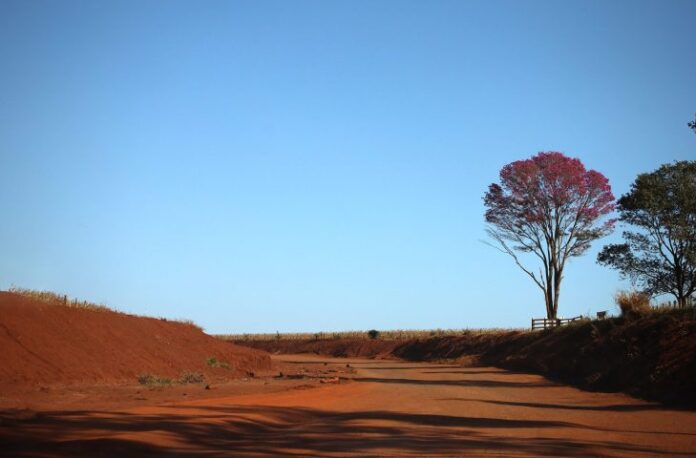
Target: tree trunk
[681,301]
[552,292]
[548,299]
[549,306]
[558,275]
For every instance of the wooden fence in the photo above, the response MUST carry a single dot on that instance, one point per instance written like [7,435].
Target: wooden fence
[545,323]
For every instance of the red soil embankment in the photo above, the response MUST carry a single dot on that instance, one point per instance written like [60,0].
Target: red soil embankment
[339,348]
[652,357]
[43,344]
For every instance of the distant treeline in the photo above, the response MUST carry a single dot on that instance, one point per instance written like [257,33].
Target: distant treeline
[399,334]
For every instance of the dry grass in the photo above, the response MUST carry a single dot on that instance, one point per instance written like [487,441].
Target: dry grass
[49,297]
[183,321]
[633,303]
[154,381]
[398,334]
[191,377]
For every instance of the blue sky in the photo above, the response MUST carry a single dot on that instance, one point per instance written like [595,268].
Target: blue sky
[301,166]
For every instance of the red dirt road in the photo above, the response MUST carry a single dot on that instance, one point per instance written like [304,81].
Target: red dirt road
[389,409]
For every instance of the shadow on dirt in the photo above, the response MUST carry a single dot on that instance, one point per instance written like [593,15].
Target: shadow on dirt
[280,431]
[464,383]
[601,408]
[474,372]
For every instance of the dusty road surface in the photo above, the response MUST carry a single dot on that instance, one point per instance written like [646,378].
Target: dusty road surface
[388,408]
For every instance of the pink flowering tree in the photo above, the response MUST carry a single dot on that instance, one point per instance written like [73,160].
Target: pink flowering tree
[552,207]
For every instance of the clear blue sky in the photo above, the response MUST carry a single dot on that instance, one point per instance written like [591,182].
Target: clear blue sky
[302,166]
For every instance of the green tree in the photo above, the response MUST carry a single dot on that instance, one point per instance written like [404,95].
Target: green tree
[660,257]
[373,333]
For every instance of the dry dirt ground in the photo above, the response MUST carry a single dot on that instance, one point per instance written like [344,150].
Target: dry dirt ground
[380,408]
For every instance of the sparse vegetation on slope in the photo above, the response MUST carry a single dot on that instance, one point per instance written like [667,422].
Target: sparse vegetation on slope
[651,356]
[49,297]
[52,298]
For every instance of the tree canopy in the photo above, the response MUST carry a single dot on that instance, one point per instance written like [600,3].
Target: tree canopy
[550,206]
[660,257]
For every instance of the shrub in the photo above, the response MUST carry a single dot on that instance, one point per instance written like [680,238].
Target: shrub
[373,333]
[191,377]
[633,303]
[153,380]
[214,362]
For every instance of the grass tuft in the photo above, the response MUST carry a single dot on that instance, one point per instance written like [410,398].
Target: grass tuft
[214,362]
[154,381]
[183,321]
[191,377]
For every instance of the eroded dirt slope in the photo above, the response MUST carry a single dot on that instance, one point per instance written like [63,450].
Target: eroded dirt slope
[43,344]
